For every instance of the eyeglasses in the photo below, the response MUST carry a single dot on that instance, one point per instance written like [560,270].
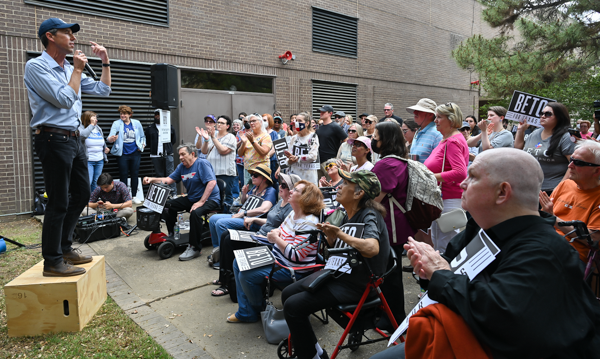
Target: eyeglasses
[351,131]
[547,114]
[209,121]
[221,123]
[359,144]
[252,121]
[404,131]
[580,163]
[387,109]
[464,129]
[330,166]
[449,104]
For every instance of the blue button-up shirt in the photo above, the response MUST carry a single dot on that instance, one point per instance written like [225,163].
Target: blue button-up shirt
[53,102]
[425,141]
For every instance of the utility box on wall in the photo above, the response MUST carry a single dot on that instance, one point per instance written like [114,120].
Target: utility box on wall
[38,305]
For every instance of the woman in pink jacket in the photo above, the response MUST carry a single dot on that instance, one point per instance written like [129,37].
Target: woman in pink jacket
[453,154]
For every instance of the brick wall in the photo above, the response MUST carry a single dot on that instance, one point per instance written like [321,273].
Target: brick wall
[403,55]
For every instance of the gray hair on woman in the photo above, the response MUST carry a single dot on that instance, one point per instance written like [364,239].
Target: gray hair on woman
[263,126]
[239,122]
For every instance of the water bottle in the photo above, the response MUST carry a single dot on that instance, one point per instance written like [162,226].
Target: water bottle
[176,230]
[180,219]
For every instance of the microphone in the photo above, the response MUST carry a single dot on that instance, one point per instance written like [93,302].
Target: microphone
[90,71]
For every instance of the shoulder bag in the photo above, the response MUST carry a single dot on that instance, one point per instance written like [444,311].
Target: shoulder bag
[455,218]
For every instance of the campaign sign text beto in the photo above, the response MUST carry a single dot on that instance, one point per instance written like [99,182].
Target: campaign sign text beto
[281,146]
[526,107]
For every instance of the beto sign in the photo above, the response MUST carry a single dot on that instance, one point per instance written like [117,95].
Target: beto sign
[526,107]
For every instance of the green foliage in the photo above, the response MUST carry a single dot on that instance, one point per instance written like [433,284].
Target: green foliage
[545,47]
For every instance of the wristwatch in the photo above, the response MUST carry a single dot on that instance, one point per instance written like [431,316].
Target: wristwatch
[245,213]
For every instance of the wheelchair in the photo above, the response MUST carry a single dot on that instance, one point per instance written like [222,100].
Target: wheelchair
[165,245]
[355,318]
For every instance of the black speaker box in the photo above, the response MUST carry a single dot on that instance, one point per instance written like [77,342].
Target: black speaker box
[91,232]
[164,86]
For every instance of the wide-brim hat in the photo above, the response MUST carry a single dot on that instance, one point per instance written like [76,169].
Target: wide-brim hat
[289,180]
[262,170]
[424,105]
[367,180]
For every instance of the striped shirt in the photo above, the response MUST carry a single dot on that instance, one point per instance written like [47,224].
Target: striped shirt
[425,141]
[224,165]
[296,254]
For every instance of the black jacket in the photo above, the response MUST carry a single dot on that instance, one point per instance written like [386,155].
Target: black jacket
[398,119]
[152,140]
[531,301]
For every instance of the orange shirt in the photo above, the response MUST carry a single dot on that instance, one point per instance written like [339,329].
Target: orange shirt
[571,203]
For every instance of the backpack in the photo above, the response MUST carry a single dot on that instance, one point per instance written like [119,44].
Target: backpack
[423,199]
[39,203]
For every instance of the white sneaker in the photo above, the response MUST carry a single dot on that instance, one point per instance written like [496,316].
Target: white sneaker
[136,201]
[190,253]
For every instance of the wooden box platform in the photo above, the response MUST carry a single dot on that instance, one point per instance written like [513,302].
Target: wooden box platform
[38,305]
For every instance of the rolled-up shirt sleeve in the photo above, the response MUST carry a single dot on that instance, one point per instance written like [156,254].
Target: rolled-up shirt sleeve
[93,87]
[46,86]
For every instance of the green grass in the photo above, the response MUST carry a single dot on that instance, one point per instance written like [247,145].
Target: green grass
[110,334]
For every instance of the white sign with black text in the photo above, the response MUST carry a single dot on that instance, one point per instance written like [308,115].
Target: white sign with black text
[252,202]
[157,197]
[164,131]
[526,107]
[473,259]
[241,236]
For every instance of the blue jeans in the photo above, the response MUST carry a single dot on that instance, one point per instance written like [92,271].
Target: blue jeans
[95,169]
[229,185]
[239,182]
[219,223]
[250,295]
[130,165]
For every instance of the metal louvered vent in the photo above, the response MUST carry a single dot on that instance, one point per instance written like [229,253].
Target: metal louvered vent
[153,12]
[341,96]
[130,86]
[334,33]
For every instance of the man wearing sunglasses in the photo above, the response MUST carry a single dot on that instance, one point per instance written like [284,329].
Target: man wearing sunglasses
[340,118]
[388,112]
[578,197]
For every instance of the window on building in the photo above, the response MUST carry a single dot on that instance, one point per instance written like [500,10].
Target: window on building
[225,82]
[334,33]
[341,96]
[153,12]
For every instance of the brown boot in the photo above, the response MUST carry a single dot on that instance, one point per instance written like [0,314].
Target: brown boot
[62,269]
[75,257]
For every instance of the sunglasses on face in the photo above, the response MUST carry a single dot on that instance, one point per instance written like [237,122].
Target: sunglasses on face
[254,175]
[547,114]
[330,166]
[387,109]
[209,121]
[351,131]
[277,121]
[358,144]
[368,121]
[580,163]
[282,185]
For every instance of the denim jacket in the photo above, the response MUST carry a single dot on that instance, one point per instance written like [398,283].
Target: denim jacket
[119,127]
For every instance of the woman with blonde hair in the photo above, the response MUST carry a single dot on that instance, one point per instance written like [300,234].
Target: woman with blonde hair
[448,161]
[255,145]
[345,151]
[303,160]
[95,146]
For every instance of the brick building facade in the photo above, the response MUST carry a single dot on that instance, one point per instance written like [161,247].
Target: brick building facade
[403,55]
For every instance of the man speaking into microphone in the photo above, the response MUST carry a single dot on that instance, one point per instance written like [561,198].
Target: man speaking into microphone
[54,88]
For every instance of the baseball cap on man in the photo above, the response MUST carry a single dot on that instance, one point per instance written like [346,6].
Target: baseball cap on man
[424,105]
[56,23]
[465,125]
[340,113]
[326,108]
[364,115]
[367,180]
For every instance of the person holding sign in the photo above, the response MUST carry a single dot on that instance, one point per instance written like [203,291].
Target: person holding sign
[531,300]
[289,249]
[551,145]
[275,217]
[357,195]
[256,144]
[499,136]
[202,197]
[304,158]
[255,203]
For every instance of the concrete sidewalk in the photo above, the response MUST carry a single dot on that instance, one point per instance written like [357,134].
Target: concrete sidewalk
[171,301]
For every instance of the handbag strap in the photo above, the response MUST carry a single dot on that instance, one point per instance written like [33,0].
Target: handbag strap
[393,202]
[443,164]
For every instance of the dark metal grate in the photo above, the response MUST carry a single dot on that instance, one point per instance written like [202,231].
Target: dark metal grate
[153,12]
[341,96]
[131,87]
[334,33]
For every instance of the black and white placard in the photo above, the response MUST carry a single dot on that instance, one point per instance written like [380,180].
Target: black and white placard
[164,131]
[157,197]
[473,259]
[251,258]
[329,196]
[526,107]
[241,236]
[252,202]
[339,262]
[281,146]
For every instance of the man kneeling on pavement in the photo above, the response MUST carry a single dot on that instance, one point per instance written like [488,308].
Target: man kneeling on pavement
[110,195]
[202,196]
[528,302]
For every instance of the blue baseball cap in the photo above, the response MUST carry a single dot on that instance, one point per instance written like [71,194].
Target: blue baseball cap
[56,23]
